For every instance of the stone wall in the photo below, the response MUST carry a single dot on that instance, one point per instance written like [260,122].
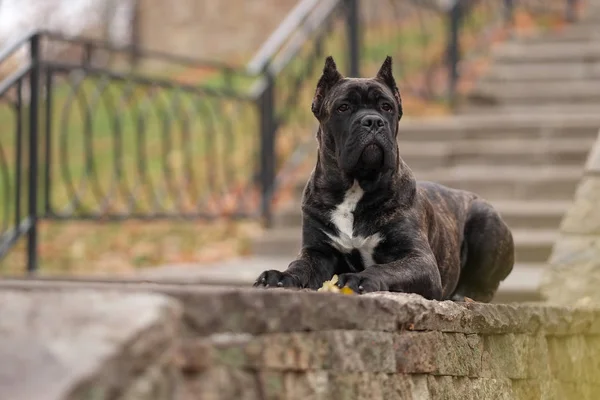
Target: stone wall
[574,273]
[278,344]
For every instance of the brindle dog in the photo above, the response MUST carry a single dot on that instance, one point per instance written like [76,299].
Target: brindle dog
[367,219]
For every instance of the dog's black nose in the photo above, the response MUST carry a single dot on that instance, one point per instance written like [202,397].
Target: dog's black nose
[372,121]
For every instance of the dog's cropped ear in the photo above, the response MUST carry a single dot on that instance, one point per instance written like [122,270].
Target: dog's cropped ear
[330,77]
[386,76]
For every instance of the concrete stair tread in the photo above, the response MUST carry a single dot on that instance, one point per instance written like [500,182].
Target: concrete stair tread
[526,73]
[506,109]
[501,122]
[522,284]
[503,173]
[487,145]
[577,33]
[524,118]
[524,276]
[528,207]
[555,89]
[544,52]
[534,236]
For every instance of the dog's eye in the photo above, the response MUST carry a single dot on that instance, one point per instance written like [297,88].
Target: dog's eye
[343,108]
[386,107]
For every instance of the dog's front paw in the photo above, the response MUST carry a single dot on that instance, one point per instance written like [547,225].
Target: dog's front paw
[274,278]
[360,283]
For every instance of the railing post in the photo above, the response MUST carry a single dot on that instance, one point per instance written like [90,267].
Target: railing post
[267,145]
[454,16]
[32,253]
[353,27]
[570,11]
[509,8]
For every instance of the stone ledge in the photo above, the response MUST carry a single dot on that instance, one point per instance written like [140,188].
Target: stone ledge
[256,311]
[283,344]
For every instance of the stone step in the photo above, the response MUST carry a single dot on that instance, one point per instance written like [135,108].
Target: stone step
[521,285]
[521,122]
[539,214]
[420,155]
[565,72]
[497,183]
[477,108]
[427,155]
[585,32]
[545,53]
[532,245]
[535,93]
[517,214]
[510,183]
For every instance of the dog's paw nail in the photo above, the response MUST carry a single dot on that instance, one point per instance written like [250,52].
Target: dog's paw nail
[280,284]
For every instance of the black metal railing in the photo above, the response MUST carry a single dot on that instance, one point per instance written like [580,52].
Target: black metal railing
[91,134]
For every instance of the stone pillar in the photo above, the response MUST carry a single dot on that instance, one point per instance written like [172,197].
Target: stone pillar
[573,276]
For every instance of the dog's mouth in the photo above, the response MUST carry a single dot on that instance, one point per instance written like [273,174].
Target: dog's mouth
[372,156]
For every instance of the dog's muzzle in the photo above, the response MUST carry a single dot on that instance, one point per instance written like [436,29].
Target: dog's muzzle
[372,156]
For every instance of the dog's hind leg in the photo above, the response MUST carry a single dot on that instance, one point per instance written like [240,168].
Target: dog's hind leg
[489,251]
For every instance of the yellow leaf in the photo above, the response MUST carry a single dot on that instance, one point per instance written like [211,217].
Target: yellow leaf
[347,290]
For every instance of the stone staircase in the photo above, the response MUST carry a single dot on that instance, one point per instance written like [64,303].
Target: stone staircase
[520,141]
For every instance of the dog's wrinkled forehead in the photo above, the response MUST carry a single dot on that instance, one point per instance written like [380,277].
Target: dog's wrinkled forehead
[358,90]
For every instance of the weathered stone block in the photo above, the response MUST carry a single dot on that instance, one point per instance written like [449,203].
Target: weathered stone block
[592,165]
[361,351]
[506,356]
[462,388]
[358,351]
[160,382]
[272,385]
[222,383]
[583,217]
[569,360]
[252,311]
[574,271]
[525,389]
[311,385]
[438,353]
[357,386]
[538,363]
[195,355]
[406,387]
[593,357]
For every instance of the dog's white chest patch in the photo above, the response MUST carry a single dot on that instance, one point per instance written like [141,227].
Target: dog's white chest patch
[343,218]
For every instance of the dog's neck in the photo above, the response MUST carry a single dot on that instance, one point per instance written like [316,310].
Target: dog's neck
[329,179]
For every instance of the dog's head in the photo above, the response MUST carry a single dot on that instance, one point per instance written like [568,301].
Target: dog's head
[359,120]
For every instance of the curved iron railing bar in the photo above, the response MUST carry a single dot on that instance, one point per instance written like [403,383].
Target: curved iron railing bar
[125,188]
[73,192]
[7,190]
[149,109]
[102,198]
